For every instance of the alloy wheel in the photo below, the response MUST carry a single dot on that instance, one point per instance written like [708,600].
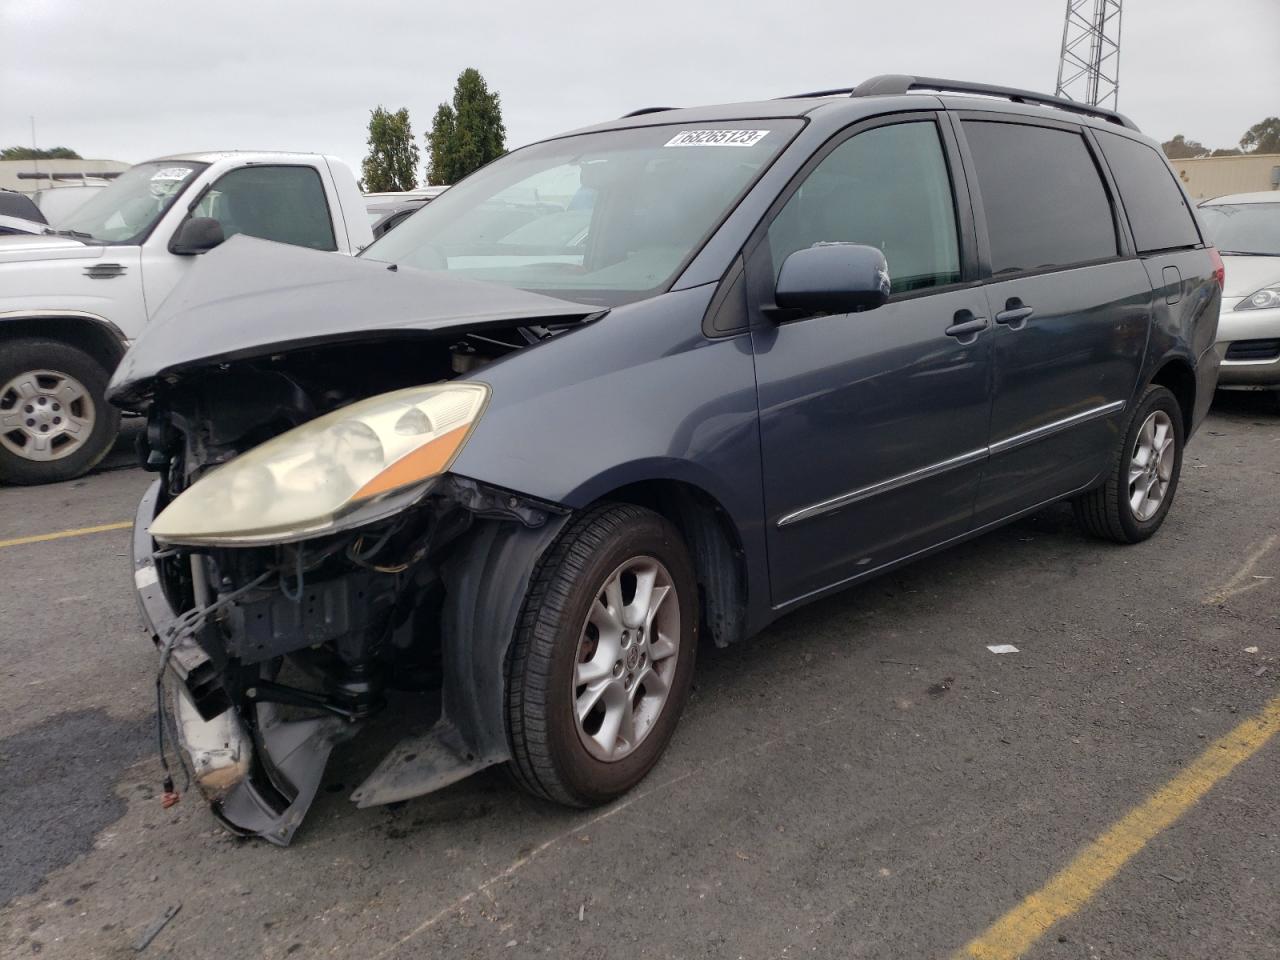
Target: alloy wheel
[626,658]
[1151,465]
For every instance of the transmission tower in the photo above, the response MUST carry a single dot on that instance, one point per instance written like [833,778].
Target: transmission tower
[1089,68]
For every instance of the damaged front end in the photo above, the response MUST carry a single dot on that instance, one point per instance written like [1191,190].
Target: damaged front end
[305,552]
[277,668]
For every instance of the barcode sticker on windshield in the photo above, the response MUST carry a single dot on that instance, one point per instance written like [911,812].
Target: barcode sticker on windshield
[717,138]
[172,174]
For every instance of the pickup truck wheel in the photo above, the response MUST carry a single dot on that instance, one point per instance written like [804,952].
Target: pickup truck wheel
[602,660]
[1145,466]
[55,423]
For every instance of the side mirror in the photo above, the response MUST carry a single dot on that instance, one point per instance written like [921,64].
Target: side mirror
[197,235]
[833,278]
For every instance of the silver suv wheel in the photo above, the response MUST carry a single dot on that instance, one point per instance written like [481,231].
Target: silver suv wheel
[45,415]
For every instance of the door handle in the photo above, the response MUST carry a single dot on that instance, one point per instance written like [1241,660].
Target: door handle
[1015,314]
[966,325]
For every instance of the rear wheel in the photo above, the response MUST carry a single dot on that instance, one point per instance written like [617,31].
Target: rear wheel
[602,661]
[1139,490]
[55,423]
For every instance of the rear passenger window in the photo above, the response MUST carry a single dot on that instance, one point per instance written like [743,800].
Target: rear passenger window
[1153,201]
[1043,196]
[886,188]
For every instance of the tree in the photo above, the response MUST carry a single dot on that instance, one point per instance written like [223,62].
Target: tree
[28,153]
[467,134]
[1262,137]
[392,163]
[1180,148]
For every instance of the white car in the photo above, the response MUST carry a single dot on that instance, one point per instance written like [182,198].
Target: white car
[74,298]
[1246,229]
[388,210]
[60,202]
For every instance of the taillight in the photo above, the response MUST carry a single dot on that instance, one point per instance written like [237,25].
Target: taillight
[1219,268]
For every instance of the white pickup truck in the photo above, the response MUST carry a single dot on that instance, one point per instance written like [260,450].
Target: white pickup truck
[71,301]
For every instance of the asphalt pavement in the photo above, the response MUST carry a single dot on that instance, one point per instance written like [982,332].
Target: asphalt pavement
[866,779]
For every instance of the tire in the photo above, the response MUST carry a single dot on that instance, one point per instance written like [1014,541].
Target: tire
[56,372]
[1108,512]
[554,755]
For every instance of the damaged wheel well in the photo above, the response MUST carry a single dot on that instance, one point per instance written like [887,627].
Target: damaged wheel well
[713,541]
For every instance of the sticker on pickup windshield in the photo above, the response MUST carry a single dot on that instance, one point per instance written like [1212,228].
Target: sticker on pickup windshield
[717,138]
[175,174]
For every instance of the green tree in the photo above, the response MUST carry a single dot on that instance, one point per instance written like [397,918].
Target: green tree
[1180,148]
[1262,137]
[392,163]
[468,133]
[27,153]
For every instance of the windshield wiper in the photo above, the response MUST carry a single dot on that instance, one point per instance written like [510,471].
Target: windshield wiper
[1246,253]
[73,234]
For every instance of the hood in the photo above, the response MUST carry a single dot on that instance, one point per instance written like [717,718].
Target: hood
[24,248]
[253,297]
[1247,275]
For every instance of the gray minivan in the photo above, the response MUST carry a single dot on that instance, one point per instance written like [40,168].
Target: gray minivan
[669,376]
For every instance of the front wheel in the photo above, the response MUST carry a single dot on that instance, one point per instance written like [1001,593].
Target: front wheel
[602,660]
[55,423]
[1136,497]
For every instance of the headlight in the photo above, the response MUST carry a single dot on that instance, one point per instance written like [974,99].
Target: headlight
[1264,299]
[352,466]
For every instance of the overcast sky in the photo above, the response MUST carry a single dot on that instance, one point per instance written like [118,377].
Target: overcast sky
[133,79]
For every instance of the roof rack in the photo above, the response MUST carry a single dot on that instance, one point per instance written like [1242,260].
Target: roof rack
[890,83]
[643,110]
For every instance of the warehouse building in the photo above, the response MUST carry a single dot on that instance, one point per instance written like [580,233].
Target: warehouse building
[28,176]
[1207,177]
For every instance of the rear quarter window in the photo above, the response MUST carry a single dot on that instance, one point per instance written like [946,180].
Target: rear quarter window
[1155,204]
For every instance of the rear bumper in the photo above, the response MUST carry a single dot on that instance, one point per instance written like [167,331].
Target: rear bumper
[1257,369]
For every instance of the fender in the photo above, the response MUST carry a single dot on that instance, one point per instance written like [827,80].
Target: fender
[101,335]
[486,581]
[640,395]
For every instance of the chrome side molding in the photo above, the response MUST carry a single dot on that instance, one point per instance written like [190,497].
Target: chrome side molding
[964,459]
[883,486]
[1057,426]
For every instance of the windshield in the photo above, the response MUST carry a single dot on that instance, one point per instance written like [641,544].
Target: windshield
[125,211]
[598,218]
[1248,228]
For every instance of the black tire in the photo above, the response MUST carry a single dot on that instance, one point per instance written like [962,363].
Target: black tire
[1105,512]
[19,356]
[549,758]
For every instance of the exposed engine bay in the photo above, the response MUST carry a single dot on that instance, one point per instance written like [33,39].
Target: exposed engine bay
[281,650]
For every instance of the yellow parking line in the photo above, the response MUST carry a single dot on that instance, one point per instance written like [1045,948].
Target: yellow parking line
[1073,886]
[80,532]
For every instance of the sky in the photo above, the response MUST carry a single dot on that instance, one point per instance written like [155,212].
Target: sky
[133,79]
